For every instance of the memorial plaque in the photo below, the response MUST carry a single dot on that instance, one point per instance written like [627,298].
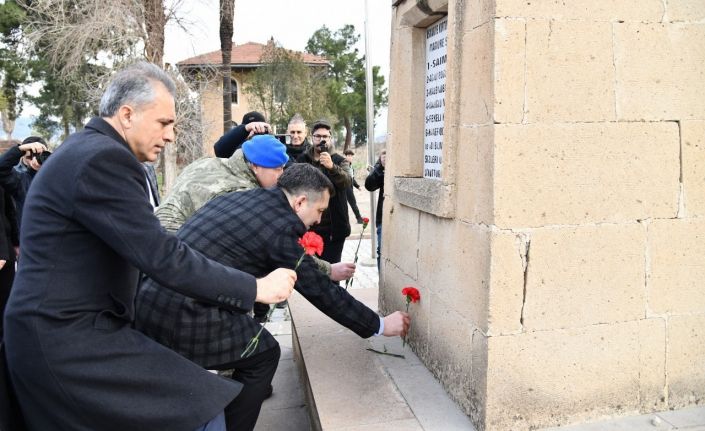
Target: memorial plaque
[434,113]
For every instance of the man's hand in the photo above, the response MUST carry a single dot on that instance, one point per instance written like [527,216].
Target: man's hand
[396,323]
[33,147]
[2,263]
[275,286]
[342,271]
[326,160]
[257,128]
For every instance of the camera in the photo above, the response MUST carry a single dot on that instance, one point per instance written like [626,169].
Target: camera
[323,147]
[41,157]
[284,139]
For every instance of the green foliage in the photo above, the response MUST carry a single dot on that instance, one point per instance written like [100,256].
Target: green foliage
[345,81]
[13,64]
[284,86]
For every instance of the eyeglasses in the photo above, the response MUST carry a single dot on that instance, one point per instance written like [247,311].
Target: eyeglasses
[319,137]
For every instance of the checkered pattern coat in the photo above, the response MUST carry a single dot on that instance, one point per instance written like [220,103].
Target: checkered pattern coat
[255,231]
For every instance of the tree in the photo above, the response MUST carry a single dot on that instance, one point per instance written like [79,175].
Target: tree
[346,77]
[284,85]
[81,34]
[227,12]
[13,64]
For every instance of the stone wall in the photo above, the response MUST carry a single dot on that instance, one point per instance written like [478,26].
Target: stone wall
[561,258]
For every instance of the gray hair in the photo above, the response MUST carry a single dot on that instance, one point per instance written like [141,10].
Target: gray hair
[297,119]
[133,85]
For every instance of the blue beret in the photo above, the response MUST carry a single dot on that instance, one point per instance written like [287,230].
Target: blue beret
[265,151]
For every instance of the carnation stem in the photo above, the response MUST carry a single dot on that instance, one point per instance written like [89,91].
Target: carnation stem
[298,262]
[349,281]
[254,342]
[403,339]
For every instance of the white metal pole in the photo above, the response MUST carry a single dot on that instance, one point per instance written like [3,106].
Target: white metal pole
[370,105]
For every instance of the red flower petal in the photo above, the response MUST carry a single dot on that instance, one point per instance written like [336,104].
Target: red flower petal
[411,293]
[312,243]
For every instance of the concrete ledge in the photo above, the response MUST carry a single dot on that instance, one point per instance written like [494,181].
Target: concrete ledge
[348,387]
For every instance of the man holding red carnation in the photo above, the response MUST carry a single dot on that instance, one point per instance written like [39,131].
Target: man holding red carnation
[254,231]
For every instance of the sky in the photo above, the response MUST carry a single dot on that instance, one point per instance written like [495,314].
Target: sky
[291,23]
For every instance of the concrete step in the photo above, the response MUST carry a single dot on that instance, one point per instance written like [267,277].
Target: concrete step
[348,387]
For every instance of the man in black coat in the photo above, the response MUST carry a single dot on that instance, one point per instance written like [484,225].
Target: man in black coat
[74,359]
[375,181]
[255,231]
[335,224]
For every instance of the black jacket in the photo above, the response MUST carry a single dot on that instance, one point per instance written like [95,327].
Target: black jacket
[335,224]
[374,181]
[15,179]
[257,231]
[231,141]
[74,359]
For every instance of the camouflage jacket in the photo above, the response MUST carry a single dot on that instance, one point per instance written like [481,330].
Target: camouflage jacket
[204,180]
[200,182]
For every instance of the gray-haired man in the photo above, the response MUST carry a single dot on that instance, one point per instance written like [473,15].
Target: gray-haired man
[74,359]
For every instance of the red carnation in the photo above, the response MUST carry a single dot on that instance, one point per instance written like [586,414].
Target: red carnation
[365,221]
[312,243]
[412,294]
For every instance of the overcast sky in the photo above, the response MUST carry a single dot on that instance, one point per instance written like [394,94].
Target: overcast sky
[291,23]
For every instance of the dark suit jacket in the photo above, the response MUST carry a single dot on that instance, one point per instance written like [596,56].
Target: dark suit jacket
[75,361]
[255,231]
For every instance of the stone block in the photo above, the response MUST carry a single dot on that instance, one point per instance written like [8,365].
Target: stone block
[457,356]
[549,174]
[685,10]
[551,378]
[506,282]
[400,237]
[569,71]
[406,121]
[477,13]
[454,264]
[584,276]
[693,159]
[686,356]
[474,180]
[391,300]
[509,70]
[676,249]
[477,60]
[596,10]
[665,84]
[652,365]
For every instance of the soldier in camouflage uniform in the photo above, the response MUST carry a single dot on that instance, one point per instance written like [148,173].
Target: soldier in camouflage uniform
[202,181]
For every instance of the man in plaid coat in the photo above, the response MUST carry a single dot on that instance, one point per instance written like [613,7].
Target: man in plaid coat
[254,231]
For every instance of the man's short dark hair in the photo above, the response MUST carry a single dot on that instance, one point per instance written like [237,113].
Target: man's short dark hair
[303,178]
[349,152]
[33,139]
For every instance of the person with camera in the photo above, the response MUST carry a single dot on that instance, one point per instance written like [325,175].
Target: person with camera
[375,181]
[335,225]
[19,165]
[253,123]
